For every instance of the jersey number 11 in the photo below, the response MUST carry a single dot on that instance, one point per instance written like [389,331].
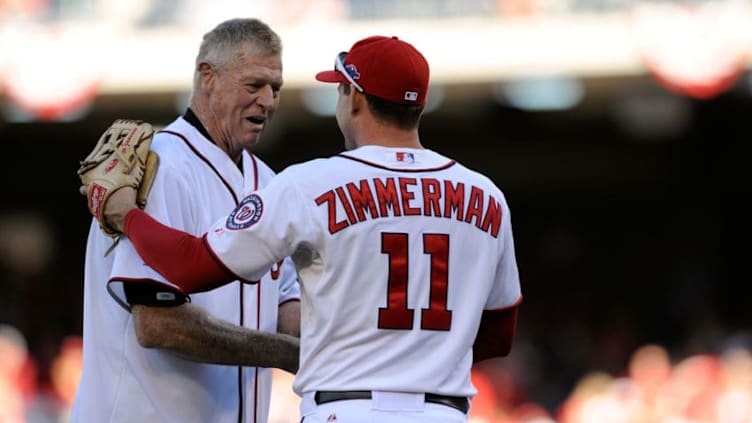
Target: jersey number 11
[396,314]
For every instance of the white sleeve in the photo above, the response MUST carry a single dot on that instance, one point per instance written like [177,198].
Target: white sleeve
[506,290]
[169,203]
[267,225]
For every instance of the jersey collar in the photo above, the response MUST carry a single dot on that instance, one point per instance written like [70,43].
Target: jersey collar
[191,118]
[401,159]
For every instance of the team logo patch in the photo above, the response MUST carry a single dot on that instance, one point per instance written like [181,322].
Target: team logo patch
[247,213]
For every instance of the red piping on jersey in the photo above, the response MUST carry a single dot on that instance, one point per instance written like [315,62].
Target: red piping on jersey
[256,373]
[255,172]
[241,372]
[258,306]
[513,305]
[221,264]
[208,163]
[425,169]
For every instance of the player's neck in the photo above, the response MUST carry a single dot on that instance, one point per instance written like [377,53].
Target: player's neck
[390,137]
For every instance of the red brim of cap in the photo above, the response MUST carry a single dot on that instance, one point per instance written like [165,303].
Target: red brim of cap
[330,76]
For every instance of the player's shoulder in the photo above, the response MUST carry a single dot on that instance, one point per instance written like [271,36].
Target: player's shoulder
[477,178]
[307,176]
[314,168]
[318,165]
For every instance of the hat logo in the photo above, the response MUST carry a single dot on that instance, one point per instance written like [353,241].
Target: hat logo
[352,71]
[411,96]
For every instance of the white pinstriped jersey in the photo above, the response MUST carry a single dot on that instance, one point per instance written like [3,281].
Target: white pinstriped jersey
[196,183]
[398,251]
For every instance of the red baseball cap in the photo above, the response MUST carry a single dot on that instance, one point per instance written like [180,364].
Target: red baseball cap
[384,67]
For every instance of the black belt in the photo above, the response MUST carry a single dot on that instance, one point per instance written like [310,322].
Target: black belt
[322,397]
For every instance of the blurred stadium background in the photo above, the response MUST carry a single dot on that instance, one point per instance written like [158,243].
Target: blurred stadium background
[617,129]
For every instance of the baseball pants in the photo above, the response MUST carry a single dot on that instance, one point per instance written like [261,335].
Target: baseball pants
[391,407]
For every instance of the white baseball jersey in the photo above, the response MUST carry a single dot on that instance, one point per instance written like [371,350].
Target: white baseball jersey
[398,252]
[196,184]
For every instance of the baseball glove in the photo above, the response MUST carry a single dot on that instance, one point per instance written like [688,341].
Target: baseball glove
[120,159]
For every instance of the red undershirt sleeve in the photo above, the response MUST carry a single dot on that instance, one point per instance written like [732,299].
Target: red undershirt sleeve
[496,333]
[181,258]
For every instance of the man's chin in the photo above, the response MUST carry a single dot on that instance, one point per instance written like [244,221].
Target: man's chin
[252,139]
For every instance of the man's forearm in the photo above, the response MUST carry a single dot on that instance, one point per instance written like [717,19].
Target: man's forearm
[247,348]
[193,334]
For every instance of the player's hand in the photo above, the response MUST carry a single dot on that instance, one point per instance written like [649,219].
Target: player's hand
[117,206]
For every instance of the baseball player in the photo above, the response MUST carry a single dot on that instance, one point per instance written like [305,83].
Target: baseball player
[145,353]
[406,258]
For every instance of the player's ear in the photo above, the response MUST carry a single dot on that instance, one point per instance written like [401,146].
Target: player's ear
[357,102]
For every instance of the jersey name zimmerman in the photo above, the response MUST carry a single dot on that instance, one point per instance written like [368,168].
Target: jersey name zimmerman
[376,198]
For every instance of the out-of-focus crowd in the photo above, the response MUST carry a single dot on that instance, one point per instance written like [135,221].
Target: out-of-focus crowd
[653,388]
[26,395]
[152,13]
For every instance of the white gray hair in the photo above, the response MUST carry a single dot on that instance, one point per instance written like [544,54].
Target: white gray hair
[225,43]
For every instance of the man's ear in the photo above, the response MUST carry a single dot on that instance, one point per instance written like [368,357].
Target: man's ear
[206,73]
